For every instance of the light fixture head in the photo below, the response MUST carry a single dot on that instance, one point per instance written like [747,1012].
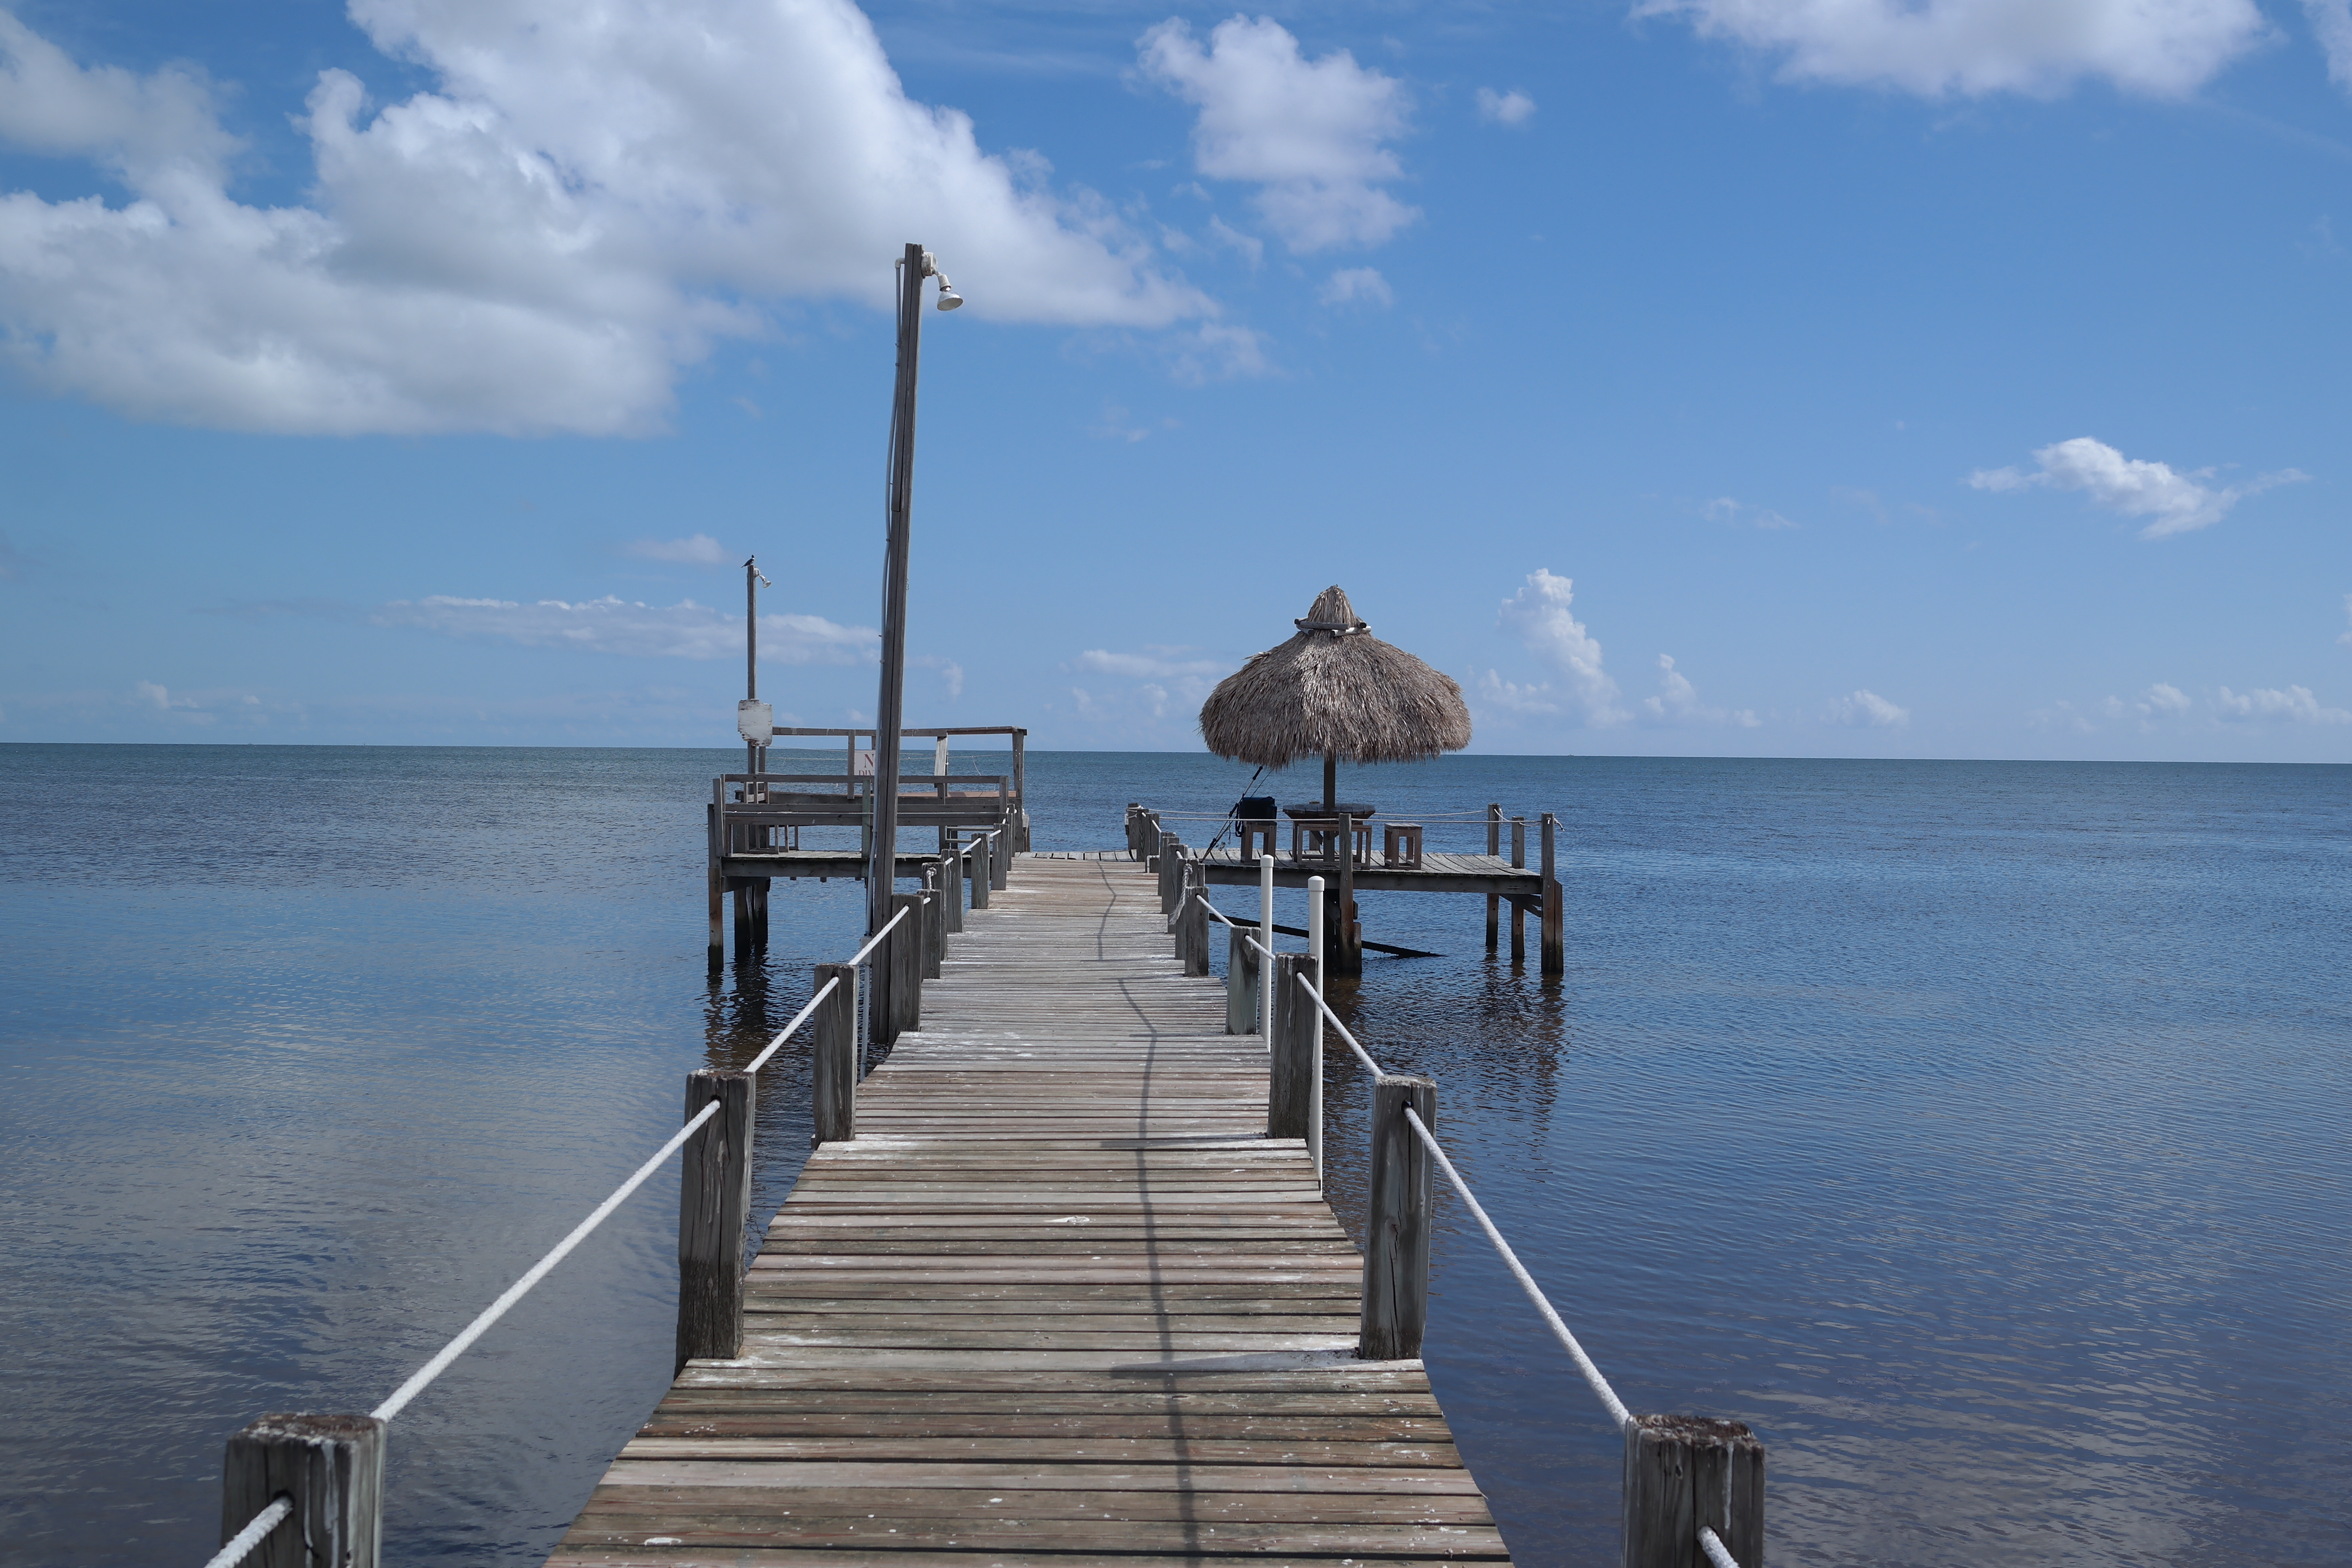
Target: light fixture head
[949,298]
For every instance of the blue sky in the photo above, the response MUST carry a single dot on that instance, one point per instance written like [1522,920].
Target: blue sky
[1697,376]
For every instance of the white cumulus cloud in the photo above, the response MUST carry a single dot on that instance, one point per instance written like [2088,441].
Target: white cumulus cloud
[1512,108]
[585,200]
[695,550]
[610,624]
[1678,701]
[1972,47]
[2296,705]
[1866,709]
[1538,614]
[2173,501]
[1311,134]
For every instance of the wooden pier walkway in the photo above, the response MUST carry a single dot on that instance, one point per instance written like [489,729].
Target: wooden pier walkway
[1060,1302]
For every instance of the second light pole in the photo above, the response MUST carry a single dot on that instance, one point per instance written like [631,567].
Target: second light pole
[881,870]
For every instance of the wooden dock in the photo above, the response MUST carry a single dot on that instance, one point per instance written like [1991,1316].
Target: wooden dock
[1060,1302]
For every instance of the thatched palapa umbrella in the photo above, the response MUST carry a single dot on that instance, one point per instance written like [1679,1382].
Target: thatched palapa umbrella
[1335,692]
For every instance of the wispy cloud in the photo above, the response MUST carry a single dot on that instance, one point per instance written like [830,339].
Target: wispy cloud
[1724,509]
[1866,709]
[695,550]
[1677,702]
[1356,286]
[2331,24]
[610,624]
[1311,134]
[1513,107]
[1972,47]
[2294,705]
[2175,502]
[1156,663]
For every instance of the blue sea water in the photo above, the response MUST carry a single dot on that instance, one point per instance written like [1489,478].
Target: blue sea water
[1978,1132]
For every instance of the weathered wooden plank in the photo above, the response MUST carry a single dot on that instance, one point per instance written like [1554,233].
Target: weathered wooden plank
[1060,1300]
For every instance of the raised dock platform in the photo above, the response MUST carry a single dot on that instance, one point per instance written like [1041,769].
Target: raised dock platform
[1060,1302]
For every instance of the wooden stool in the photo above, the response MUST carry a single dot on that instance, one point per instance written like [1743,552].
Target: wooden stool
[1325,832]
[1400,845]
[1256,830]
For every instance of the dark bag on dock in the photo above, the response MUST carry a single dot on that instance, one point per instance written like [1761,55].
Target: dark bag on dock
[1253,808]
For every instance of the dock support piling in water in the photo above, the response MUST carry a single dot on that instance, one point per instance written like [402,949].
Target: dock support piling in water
[1518,909]
[1685,1471]
[1494,847]
[833,1068]
[1555,955]
[1290,1096]
[903,950]
[1242,980]
[714,1203]
[1397,1224]
[331,1468]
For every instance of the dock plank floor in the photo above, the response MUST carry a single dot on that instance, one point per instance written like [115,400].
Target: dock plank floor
[1061,1301]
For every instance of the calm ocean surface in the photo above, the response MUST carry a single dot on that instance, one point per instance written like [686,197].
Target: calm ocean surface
[1980,1133]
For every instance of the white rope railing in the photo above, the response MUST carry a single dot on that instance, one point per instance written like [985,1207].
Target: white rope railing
[490,1314]
[1616,1406]
[1332,1018]
[875,939]
[823,991]
[240,1546]
[1717,1551]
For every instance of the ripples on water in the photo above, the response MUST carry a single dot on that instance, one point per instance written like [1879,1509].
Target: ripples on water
[1978,1132]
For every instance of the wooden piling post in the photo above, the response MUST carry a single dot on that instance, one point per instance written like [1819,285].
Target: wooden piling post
[713,1207]
[743,888]
[999,858]
[1555,945]
[1241,983]
[978,872]
[1494,847]
[1195,924]
[1684,1471]
[1345,953]
[1518,911]
[934,930]
[951,881]
[833,1066]
[1397,1227]
[904,949]
[718,918]
[1020,786]
[1290,1068]
[330,1466]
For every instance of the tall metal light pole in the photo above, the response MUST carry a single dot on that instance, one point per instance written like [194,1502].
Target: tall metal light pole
[758,750]
[881,870]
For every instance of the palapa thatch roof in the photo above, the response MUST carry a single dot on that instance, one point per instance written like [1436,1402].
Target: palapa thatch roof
[1334,690]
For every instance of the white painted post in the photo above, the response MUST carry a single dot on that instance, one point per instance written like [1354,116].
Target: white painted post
[1315,1081]
[1265,940]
